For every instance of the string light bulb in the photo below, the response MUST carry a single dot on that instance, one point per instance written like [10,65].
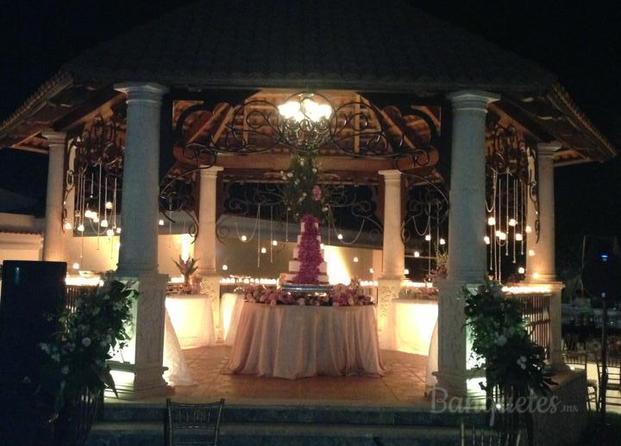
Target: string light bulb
[416,253]
[67,226]
[108,205]
[406,271]
[512,222]
[491,221]
[428,237]
[104,223]
[521,270]
[356,260]
[225,267]
[244,238]
[118,230]
[519,237]
[76,265]
[80,227]
[487,240]
[442,241]
[339,236]
[274,242]
[263,250]
[160,222]
[371,270]
[528,229]
[531,252]
[110,232]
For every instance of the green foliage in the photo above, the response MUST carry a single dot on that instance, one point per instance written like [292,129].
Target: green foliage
[302,191]
[513,363]
[87,337]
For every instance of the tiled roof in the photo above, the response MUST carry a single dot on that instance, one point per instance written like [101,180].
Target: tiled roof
[380,45]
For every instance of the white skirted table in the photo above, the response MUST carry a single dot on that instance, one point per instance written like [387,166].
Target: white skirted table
[192,319]
[290,341]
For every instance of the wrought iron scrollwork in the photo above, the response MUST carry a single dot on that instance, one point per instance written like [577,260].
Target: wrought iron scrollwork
[426,209]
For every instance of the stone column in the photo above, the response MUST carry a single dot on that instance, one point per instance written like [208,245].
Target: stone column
[467,255]
[540,262]
[139,236]
[393,256]
[205,249]
[53,245]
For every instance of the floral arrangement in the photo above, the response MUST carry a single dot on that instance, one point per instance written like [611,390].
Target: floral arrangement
[302,191]
[309,253]
[514,364]
[77,353]
[337,295]
[187,268]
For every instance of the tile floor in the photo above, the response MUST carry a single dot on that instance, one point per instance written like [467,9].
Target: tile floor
[403,383]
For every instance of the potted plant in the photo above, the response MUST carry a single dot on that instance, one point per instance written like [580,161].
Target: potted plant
[76,373]
[187,268]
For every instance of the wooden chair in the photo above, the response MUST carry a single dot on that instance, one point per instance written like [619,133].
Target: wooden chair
[578,361]
[193,424]
[613,388]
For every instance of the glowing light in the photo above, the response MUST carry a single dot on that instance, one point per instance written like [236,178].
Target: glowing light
[75,265]
[108,205]
[67,226]
[487,240]
[109,232]
[371,270]
[274,242]
[413,325]
[406,271]
[225,267]
[186,244]
[503,236]
[491,221]
[428,237]
[95,218]
[528,229]
[416,253]
[338,266]
[512,222]
[497,233]
[307,108]
[244,238]
[339,236]
[536,275]
[356,259]
[527,289]
[118,230]
[104,223]
[519,237]
[531,252]
[521,270]
[88,213]
[80,227]
[442,241]
[160,222]
[263,250]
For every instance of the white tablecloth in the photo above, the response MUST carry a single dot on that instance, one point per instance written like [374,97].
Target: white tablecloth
[230,312]
[414,320]
[192,319]
[289,341]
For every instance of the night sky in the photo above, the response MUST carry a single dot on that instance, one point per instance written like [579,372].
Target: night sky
[579,43]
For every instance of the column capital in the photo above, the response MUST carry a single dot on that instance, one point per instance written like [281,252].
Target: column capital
[54,139]
[142,91]
[472,99]
[390,174]
[211,172]
[547,149]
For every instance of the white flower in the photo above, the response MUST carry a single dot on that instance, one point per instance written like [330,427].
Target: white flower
[86,341]
[301,162]
[65,370]
[314,170]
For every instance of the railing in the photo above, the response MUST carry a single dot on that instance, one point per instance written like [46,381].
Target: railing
[75,292]
[536,311]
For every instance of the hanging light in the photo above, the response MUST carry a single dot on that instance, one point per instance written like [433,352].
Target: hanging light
[406,271]
[274,242]
[118,230]
[160,222]
[110,232]
[225,267]
[521,270]
[108,205]
[416,253]
[519,237]
[76,265]
[491,221]
[497,233]
[244,238]
[67,226]
[104,223]
[356,259]
[531,252]
[512,222]
[486,240]
[80,227]
[88,213]
[442,241]
[94,217]
[263,250]
[371,270]
[503,236]
[339,236]
[428,237]
[528,229]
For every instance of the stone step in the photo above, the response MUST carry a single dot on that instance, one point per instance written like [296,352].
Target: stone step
[282,434]
[329,415]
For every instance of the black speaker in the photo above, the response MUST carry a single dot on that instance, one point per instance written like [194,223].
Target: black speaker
[32,295]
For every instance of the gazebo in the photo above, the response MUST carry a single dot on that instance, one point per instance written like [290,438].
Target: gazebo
[190,100]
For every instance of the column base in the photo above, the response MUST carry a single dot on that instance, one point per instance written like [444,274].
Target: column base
[210,286]
[138,383]
[387,290]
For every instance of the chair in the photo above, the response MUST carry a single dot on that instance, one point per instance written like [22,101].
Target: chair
[613,387]
[193,424]
[578,361]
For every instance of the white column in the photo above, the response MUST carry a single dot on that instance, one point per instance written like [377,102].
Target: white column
[205,248]
[53,245]
[140,189]
[393,256]
[467,255]
[138,252]
[540,262]
[540,266]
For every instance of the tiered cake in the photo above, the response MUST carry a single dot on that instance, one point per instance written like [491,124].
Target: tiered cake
[307,266]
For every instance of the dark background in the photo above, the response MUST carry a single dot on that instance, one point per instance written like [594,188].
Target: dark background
[580,43]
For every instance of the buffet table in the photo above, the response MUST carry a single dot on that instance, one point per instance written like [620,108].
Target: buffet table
[290,341]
